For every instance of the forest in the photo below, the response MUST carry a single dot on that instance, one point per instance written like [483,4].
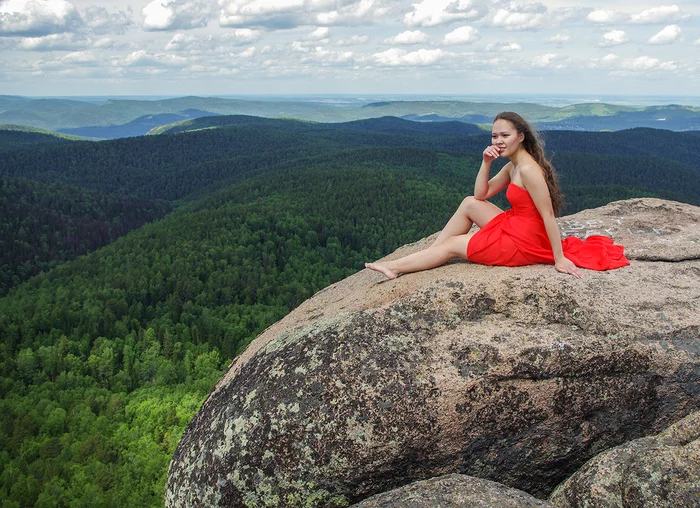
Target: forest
[136,270]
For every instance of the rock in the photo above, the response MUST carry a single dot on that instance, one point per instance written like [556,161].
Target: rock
[659,471]
[453,490]
[518,375]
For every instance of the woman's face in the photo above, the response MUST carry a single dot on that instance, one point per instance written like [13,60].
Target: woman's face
[505,137]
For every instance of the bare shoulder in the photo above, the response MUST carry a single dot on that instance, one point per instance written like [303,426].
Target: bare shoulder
[531,172]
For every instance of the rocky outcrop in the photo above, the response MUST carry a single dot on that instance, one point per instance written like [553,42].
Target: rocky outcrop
[660,471]
[453,491]
[518,375]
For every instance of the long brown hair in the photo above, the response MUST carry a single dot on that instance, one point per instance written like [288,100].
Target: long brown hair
[535,147]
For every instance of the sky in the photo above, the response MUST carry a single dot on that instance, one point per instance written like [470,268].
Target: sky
[326,47]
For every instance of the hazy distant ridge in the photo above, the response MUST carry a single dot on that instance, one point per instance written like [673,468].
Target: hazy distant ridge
[117,115]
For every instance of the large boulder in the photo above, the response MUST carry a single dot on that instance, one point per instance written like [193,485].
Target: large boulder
[660,471]
[453,491]
[518,375]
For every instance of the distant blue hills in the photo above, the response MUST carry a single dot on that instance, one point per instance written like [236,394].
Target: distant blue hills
[138,127]
[119,118]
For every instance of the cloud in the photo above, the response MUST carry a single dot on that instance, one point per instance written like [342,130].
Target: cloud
[558,16]
[645,63]
[560,39]
[505,47]
[282,14]
[395,57]
[35,18]
[100,21]
[408,37]
[143,58]
[613,38]
[667,35]
[354,40]
[319,34]
[520,16]
[206,43]
[609,58]
[662,14]
[175,15]
[60,42]
[80,58]
[349,12]
[697,42]
[548,61]
[438,12]
[605,17]
[461,35]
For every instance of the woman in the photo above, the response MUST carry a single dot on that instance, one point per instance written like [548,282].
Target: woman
[526,234]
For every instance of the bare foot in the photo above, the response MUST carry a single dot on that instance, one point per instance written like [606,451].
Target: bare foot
[377,267]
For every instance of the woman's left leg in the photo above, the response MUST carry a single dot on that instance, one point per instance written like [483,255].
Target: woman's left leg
[433,256]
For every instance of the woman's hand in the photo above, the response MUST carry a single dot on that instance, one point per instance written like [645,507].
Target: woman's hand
[565,265]
[491,153]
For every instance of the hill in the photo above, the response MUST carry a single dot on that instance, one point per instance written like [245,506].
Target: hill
[137,127]
[16,137]
[116,115]
[45,224]
[198,156]
[386,124]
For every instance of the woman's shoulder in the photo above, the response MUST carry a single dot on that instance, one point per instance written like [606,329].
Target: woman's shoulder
[531,169]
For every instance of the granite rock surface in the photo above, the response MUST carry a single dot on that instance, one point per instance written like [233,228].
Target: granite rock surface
[517,375]
[453,491]
[661,471]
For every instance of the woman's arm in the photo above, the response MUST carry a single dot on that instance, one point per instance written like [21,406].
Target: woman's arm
[535,184]
[485,188]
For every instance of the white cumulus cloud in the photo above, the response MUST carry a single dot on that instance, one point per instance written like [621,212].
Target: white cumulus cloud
[504,48]
[396,57]
[143,58]
[520,16]
[438,12]
[461,35]
[408,37]
[175,15]
[80,58]
[205,43]
[613,38]
[646,63]
[319,34]
[35,18]
[51,42]
[548,61]
[605,17]
[667,35]
[662,14]
[280,14]
[355,40]
[100,21]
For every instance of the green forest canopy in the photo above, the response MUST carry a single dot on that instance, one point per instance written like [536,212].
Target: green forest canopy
[105,358]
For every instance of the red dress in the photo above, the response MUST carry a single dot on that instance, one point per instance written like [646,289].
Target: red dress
[518,237]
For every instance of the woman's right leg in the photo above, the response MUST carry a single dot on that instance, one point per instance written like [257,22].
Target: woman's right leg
[470,211]
[433,256]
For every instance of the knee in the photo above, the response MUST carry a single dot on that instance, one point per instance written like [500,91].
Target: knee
[457,246]
[468,203]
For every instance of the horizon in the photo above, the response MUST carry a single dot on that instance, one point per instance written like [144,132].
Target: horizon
[552,100]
